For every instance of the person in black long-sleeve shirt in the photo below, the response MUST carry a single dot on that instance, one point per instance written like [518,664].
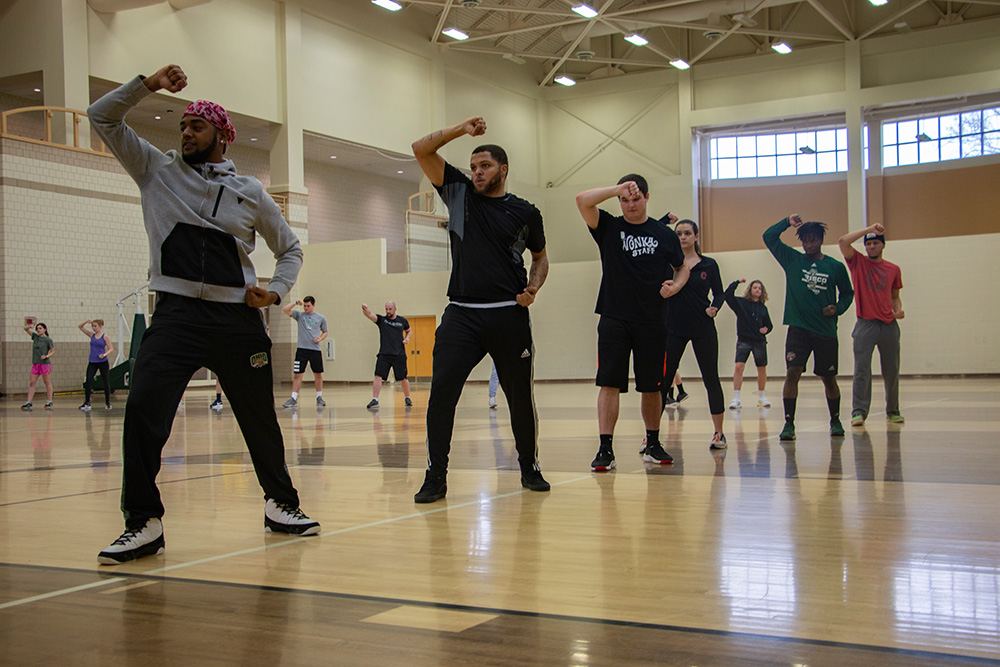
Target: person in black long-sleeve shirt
[690,318]
[753,323]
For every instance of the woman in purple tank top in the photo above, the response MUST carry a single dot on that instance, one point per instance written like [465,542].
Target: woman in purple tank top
[100,352]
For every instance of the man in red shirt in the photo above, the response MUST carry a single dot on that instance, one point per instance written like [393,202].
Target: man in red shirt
[876,292]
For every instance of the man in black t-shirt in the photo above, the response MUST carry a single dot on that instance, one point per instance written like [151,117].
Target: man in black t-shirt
[394,333]
[490,292]
[637,255]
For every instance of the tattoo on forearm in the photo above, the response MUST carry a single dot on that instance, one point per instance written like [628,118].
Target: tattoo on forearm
[539,272]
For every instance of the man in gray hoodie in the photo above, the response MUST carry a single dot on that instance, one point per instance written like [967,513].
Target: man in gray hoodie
[201,219]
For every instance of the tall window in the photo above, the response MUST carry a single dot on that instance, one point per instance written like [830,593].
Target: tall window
[780,154]
[949,137]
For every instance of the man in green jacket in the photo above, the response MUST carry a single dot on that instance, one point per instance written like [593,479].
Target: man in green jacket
[817,292]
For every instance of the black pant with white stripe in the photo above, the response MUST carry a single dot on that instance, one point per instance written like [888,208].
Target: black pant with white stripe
[465,336]
[169,355]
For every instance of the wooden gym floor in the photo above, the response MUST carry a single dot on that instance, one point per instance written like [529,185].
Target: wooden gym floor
[880,548]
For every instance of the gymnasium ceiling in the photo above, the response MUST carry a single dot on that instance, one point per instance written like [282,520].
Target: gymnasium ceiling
[548,34]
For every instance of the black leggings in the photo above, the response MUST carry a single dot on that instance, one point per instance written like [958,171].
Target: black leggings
[706,351]
[92,368]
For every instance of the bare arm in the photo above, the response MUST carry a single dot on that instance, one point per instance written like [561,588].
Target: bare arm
[82,326]
[108,347]
[426,149]
[672,287]
[897,305]
[536,278]
[287,308]
[587,201]
[406,337]
[369,314]
[847,239]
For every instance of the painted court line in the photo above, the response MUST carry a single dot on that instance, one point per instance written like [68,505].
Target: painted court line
[65,591]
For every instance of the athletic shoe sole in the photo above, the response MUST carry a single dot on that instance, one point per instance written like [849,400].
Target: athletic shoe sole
[154,548]
[604,468]
[271,526]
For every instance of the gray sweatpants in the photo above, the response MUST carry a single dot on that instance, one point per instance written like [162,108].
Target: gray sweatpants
[869,334]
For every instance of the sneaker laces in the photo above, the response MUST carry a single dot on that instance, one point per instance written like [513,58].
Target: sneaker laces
[294,512]
[128,536]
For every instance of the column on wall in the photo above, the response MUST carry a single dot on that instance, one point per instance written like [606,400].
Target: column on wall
[66,70]
[857,209]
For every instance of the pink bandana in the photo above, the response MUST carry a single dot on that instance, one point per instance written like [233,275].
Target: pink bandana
[214,114]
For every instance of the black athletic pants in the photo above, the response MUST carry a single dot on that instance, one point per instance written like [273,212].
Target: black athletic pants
[169,355]
[706,351]
[465,336]
[88,385]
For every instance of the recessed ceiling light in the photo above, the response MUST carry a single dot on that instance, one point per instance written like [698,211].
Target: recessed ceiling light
[38,90]
[585,11]
[879,3]
[637,39]
[680,64]
[782,48]
[333,157]
[156,117]
[455,33]
[400,171]
[253,138]
[565,81]
[388,4]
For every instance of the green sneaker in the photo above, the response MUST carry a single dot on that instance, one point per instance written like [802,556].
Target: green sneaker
[836,428]
[787,433]
[895,418]
[857,420]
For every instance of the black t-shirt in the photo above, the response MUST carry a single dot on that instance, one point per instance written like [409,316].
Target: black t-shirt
[686,314]
[488,239]
[635,260]
[391,333]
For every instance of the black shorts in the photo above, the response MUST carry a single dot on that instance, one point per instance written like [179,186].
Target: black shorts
[758,347]
[397,363]
[801,342]
[314,358]
[616,339]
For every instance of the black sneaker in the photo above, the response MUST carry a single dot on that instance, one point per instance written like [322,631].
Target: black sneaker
[682,396]
[718,441]
[280,518]
[642,447]
[605,460]
[533,481]
[372,404]
[654,454]
[144,540]
[26,406]
[435,488]
[669,402]
[408,402]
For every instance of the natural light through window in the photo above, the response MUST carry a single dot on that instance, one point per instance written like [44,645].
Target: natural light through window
[948,137]
[780,154]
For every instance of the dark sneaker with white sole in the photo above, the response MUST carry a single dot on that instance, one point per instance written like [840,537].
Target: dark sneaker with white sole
[718,441]
[434,488]
[279,518]
[136,542]
[604,461]
[654,454]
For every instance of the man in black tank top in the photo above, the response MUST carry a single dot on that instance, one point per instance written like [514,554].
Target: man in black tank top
[490,292]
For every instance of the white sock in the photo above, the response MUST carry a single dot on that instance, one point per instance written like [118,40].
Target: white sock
[736,394]
[762,393]
[295,395]
[319,394]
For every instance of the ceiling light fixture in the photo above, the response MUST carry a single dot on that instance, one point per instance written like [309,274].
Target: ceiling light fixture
[156,117]
[333,157]
[680,63]
[514,58]
[782,48]
[585,11]
[388,4]
[455,33]
[400,171]
[38,90]
[565,81]
[878,3]
[253,138]
[636,39]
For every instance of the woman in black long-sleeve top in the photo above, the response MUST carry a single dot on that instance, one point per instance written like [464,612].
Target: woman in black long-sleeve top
[690,318]
[753,323]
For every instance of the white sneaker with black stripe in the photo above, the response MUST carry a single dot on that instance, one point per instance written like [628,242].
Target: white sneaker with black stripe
[280,518]
[145,540]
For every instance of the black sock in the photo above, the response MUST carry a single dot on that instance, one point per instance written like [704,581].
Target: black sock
[670,392]
[790,409]
[218,397]
[652,437]
[606,441]
[834,405]
[680,389]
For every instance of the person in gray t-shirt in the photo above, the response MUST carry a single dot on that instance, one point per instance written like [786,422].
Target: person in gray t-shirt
[312,332]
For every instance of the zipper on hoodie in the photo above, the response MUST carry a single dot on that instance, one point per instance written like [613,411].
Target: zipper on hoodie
[217,200]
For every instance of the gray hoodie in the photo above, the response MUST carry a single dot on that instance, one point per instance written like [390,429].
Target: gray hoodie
[201,221]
